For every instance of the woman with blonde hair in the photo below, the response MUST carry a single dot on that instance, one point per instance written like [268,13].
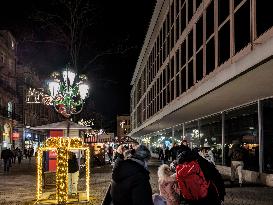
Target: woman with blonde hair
[168,186]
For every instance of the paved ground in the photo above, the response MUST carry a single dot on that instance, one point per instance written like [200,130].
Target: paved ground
[18,187]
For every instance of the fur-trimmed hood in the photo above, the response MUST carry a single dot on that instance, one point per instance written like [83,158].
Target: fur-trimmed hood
[165,174]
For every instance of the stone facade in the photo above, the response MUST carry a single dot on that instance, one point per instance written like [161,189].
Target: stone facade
[7,88]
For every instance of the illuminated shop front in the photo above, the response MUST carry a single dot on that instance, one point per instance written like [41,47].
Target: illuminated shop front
[220,130]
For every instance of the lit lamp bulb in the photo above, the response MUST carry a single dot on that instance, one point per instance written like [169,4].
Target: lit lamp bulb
[83,89]
[69,75]
[54,88]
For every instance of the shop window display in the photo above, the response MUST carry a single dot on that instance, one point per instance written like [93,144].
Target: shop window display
[242,125]
[211,135]
[192,134]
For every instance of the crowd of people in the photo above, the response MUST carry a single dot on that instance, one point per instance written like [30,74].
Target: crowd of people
[9,156]
[191,177]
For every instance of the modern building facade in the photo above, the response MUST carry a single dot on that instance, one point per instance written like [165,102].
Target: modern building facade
[205,73]
[7,89]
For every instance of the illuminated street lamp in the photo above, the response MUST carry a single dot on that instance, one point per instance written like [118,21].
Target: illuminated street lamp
[68,92]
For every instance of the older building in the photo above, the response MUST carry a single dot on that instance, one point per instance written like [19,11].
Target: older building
[7,88]
[30,107]
[123,126]
[205,74]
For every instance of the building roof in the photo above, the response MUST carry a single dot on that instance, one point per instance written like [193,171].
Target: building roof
[61,126]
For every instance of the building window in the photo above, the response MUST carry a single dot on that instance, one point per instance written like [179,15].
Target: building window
[199,33]
[264,16]
[190,9]
[267,107]
[199,65]
[192,134]
[210,20]
[242,125]
[210,56]
[224,43]
[211,134]
[183,80]
[190,74]
[10,109]
[223,10]
[2,57]
[190,44]
[242,26]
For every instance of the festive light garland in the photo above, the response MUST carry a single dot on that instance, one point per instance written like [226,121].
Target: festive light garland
[63,145]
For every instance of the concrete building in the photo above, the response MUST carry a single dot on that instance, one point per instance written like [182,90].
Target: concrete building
[7,88]
[205,74]
[123,126]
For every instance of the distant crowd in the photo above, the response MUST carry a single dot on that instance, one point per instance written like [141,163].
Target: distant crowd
[9,156]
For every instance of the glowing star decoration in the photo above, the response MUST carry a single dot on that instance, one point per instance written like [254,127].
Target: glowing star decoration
[68,92]
[62,145]
[122,124]
[86,123]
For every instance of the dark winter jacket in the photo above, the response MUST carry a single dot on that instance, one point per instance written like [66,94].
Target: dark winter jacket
[6,154]
[216,190]
[130,184]
[236,153]
[73,165]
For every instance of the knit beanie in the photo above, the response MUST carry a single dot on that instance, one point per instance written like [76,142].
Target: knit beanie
[142,153]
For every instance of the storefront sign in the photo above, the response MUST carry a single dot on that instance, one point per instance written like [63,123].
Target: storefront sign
[15,136]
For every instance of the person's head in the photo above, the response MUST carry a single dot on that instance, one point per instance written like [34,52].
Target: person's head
[163,171]
[184,142]
[186,156]
[205,148]
[142,153]
[71,155]
[127,153]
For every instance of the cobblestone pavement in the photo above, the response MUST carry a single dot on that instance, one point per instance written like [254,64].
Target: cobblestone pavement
[18,187]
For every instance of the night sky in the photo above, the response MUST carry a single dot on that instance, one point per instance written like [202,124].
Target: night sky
[118,29]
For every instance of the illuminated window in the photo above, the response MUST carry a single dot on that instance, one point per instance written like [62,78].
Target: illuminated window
[9,109]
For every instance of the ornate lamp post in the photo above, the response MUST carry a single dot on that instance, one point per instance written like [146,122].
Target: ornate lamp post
[68,92]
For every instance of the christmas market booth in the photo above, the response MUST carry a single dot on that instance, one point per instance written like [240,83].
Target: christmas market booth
[63,146]
[54,180]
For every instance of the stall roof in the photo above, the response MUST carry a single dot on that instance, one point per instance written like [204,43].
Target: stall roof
[61,126]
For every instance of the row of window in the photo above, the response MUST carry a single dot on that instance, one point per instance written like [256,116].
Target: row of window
[203,49]
[240,124]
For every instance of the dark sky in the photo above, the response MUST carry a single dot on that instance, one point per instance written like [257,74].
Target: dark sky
[119,26]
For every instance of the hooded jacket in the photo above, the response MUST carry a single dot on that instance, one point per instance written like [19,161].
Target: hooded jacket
[130,184]
[168,186]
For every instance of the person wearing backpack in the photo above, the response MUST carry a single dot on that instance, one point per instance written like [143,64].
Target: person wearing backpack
[199,180]
[236,153]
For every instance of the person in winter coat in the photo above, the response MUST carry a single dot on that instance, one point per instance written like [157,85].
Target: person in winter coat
[6,155]
[207,154]
[216,188]
[237,155]
[130,179]
[73,174]
[168,186]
